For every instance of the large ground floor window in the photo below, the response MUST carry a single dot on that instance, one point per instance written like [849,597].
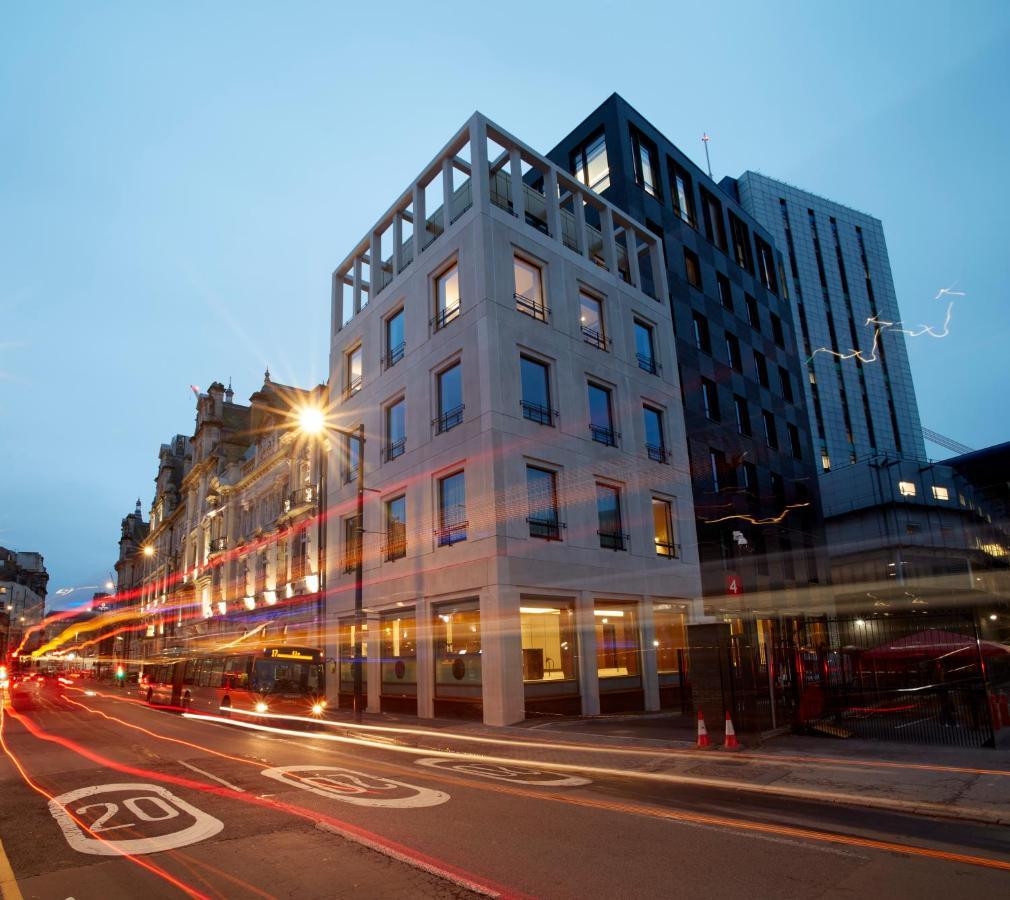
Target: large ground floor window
[399,654]
[347,636]
[670,623]
[548,641]
[618,648]
[458,650]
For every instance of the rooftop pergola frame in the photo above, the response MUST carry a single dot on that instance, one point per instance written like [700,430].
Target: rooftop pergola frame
[551,200]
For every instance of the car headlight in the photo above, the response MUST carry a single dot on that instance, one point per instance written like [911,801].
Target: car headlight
[261,707]
[317,709]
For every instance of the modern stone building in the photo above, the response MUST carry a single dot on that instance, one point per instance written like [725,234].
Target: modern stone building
[503,334]
[750,450]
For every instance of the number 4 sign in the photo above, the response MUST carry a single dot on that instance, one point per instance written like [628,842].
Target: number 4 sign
[734,585]
[140,807]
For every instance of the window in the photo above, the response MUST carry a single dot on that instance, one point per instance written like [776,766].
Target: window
[645,163]
[766,264]
[777,334]
[529,293]
[671,638]
[352,456]
[692,269]
[753,319]
[399,655]
[396,437]
[787,385]
[742,415]
[591,320]
[710,399]
[458,655]
[940,493]
[725,291]
[906,488]
[396,528]
[536,391]
[352,543]
[741,243]
[601,418]
[750,476]
[655,439]
[352,372]
[682,194]
[761,368]
[589,163]
[717,464]
[645,351]
[542,497]
[617,646]
[395,344]
[701,338]
[711,210]
[452,522]
[447,296]
[662,523]
[778,488]
[548,642]
[733,352]
[794,441]
[450,399]
[771,435]
[608,511]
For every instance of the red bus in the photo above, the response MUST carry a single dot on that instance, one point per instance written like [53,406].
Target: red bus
[286,680]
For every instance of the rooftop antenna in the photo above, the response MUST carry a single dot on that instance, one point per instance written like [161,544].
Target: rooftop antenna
[705,139]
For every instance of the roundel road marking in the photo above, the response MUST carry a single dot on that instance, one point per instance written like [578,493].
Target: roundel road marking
[140,807]
[519,774]
[356,788]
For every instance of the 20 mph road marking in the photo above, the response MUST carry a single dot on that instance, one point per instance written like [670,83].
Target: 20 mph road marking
[520,774]
[147,806]
[356,788]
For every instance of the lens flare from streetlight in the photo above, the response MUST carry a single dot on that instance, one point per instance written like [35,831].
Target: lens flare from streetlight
[311,420]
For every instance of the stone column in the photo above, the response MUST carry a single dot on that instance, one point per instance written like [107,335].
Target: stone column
[589,680]
[501,649]
[373,664]
[650,672]
[425,660]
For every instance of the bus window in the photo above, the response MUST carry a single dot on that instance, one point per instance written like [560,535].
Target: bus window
[215,672]
[190,673]
[285,677]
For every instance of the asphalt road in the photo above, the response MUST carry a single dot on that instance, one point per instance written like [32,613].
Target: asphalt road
[222,811]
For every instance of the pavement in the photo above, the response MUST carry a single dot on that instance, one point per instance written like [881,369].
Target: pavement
[393,807]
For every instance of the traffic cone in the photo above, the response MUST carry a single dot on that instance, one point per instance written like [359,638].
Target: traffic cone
[731,742]
[703,743]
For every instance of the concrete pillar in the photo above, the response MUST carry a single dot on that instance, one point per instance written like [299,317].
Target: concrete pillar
[650,671]
[446,193]
[356,285]
[631,240]
[609,244]
[397,241]
[589,679]
[425,660]
[709,646]
[374,264]
[579,205]
[480,189]
[516,183]
[553,203]
[373,664]
[419,219]
[501,649]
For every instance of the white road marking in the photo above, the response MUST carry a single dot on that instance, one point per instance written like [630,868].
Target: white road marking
[203,827]
[356,788]
[227,784]
[518,774]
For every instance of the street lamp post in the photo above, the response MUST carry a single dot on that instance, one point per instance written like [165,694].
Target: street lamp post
[359,517]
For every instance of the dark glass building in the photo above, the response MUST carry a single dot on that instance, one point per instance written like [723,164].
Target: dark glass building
[751,453]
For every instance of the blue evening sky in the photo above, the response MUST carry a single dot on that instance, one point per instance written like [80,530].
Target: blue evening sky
[178,180]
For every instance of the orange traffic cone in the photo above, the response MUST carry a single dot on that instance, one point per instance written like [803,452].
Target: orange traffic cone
[703,743]
[731,742]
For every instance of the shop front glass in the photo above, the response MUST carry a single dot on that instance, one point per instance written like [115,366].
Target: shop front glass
[618,648]
[670,623]
[348,632]
[458,651]
[549,648]
[399,655]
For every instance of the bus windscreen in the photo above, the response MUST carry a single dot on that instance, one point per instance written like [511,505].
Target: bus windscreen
[277,676]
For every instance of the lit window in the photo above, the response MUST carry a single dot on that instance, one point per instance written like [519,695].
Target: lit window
[692,268]
[591,320]
[590,164]
[548,637]
[447,296]
[353,372]
[940,493]
[529,293]
[906,488]
[662,518]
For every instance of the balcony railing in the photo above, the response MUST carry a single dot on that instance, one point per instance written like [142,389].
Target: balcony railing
[395,449]
[395,354]
[537,413]
[592,337]
[536,309]
[545,529]
[217,545]
[395,546]
[303,496]
[353,386]
[657,453]
[444,316]
[451,533]
[603,435]
[351,559]
[670,551]
[648,364]
[448,420]
[613,540]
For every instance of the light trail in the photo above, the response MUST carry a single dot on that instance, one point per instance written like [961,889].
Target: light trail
[773,520]
[144,864]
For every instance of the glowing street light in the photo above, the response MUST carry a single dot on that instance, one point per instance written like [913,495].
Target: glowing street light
[311,420]
[149,550]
